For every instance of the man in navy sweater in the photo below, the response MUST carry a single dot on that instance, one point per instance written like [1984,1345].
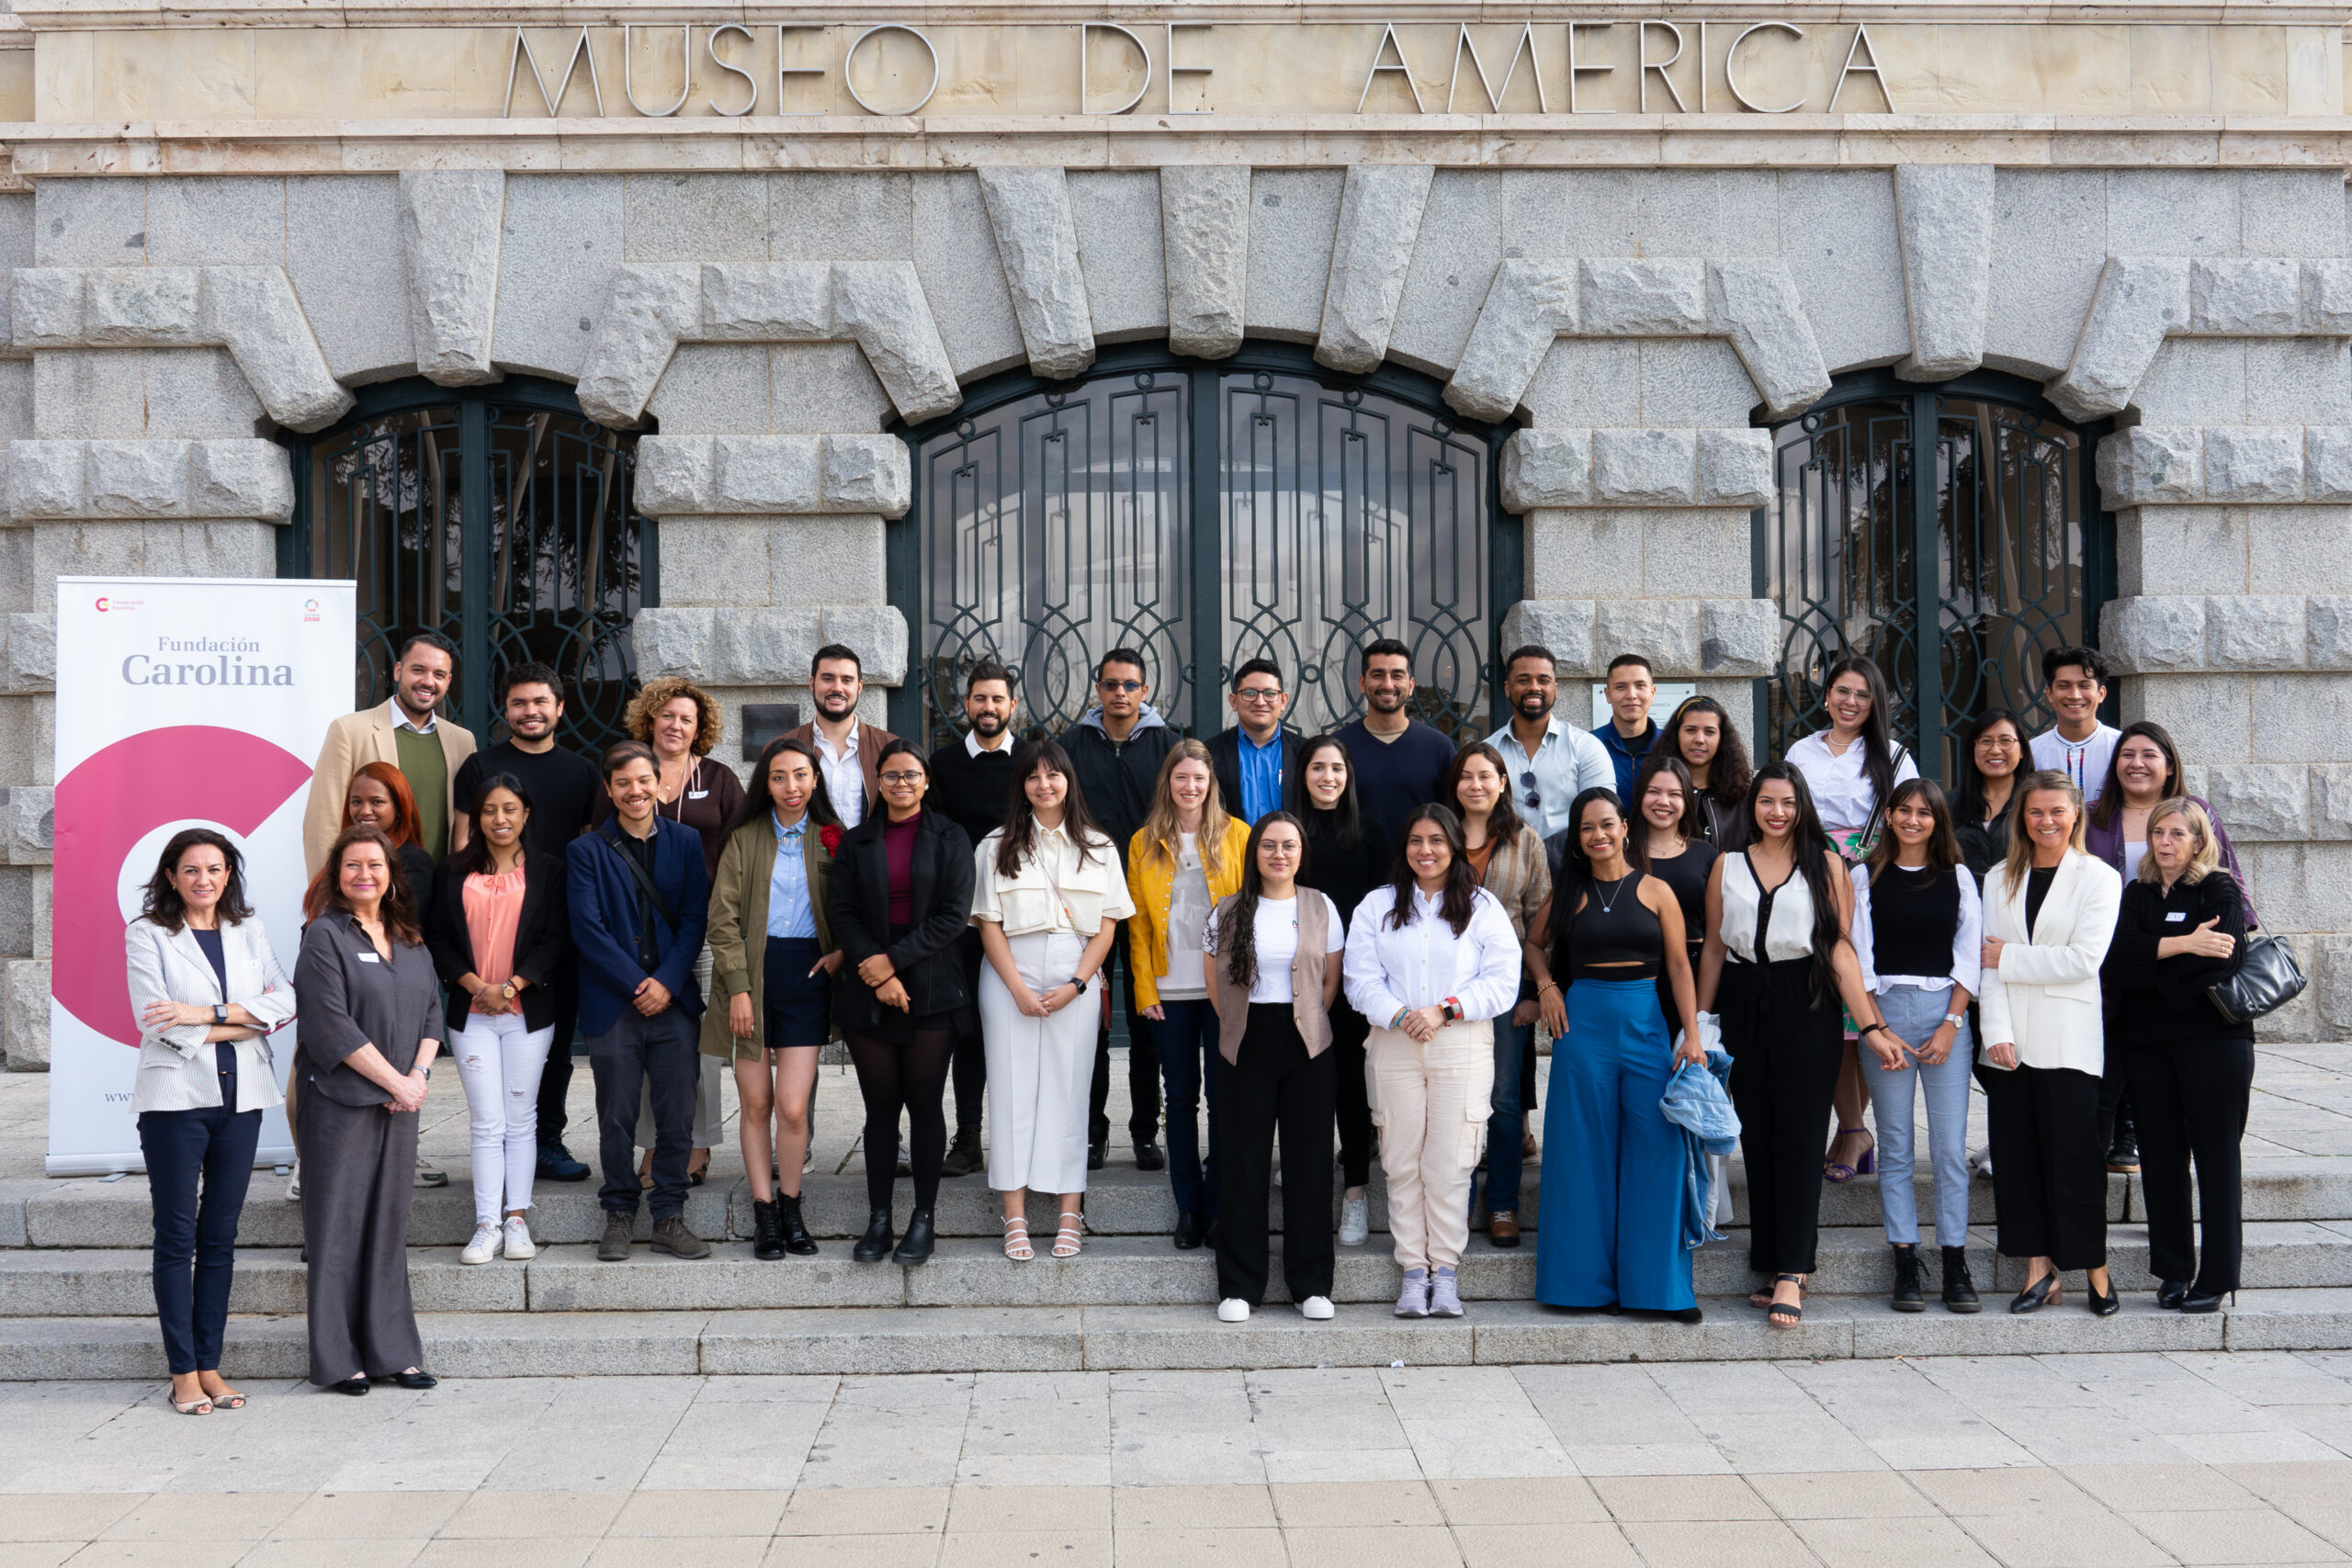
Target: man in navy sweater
[1398,761]
[640,900]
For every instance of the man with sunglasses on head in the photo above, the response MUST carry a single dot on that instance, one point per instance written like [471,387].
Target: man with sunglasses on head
[1116,750]
[1551,762]
[1256,758]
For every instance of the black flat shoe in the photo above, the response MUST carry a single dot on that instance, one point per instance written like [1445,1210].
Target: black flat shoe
[1190,1229]
[2106,1305]
[916,1248]
[2199,1303]
[2171,1292]
[1149,1156]
[415,1380]
[355,1387]
[2039,1295]
[874,1244]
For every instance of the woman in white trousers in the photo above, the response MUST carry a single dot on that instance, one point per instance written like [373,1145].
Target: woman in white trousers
[1048,895]
[1432,961]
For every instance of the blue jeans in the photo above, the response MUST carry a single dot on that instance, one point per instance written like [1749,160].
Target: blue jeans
[195,1235]
[1914,1014]
[1506,1120]
[1185,1038]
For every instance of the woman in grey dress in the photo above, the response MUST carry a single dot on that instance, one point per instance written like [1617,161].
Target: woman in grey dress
[372,1024]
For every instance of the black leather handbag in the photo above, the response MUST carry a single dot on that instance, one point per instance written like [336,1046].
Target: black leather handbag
[2267,980]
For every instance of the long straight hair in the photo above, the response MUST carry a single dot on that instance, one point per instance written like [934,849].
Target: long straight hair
[1020,841]
[1968,800]
[1638,824]
[1809,847]
[1576,879]
[2108,810]
[1159,829]
[1461,893]
[2020,858]
[405,820]
[1347,817]
[1502,821]
[1727,775]
[1238,932]
[1944,844]
[1878,744]
[475,856]
[758,801]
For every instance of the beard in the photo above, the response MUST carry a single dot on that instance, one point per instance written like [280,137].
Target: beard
[1388,701]
[1535,705]
[836,704]
[989,726]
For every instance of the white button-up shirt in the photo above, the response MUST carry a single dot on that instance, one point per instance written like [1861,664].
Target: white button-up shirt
[1967,939]
[1423,962]
[1567,762]
[1055,889]
[1841,785]
[401,719]
[844,779]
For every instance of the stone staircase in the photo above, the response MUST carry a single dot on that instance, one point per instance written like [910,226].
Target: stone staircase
[76,1300]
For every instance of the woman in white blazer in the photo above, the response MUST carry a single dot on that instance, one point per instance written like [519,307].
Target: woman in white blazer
[206,991]
[2049,911]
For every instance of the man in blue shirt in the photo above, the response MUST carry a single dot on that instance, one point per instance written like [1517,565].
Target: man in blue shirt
[1629,731]
[1257,759]
[1550,762]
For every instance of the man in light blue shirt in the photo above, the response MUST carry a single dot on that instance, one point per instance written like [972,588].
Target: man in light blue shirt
[1550,762]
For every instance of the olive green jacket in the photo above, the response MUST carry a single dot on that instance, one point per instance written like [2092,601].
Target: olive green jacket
[738,926]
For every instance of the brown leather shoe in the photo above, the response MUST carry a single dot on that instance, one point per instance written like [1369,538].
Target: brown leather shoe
[1502,1228]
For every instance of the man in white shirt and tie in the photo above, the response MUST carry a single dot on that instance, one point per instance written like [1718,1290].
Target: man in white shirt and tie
[2075,684]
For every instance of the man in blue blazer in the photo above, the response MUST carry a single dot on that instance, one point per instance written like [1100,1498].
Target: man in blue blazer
[640,898]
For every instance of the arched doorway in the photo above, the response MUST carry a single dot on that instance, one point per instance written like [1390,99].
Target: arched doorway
[1205,512]
[1995,540]
[498,516]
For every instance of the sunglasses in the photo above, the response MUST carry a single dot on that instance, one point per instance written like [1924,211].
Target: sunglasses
[1119,685]
[1534,795]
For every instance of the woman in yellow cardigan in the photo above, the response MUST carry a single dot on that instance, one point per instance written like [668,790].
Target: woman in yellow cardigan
[1187,855]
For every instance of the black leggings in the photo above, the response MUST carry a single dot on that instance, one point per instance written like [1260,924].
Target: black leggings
[912,1076]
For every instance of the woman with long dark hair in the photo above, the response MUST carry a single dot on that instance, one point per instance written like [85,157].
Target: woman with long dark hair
[1507,855]
[1777,960]
[1662,841]
[1992,750]
[499,928]
[773,958]
[1432,962]
[1701,737]
[1048,897]
[1609,934]
[1345,861]
[1273,952]
[206,992]
[902,894]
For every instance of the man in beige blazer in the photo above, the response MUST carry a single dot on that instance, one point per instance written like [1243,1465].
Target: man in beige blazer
[422,673]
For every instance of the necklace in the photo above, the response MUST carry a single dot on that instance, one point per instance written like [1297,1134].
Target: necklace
[1609,905]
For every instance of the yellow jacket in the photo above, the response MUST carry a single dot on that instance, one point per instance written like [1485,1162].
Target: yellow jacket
[1151,882]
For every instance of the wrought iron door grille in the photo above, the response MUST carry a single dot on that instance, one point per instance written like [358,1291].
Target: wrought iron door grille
[1993,541]
[498,518]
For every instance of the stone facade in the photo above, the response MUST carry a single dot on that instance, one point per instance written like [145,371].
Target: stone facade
[1639,323]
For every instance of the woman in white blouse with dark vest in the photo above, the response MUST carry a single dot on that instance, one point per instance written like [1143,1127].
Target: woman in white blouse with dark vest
[1433,962]
[1047,896]
[2050,913]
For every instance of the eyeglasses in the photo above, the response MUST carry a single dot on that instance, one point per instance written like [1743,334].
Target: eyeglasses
[910,776]
[1999,742]
[1118,685]
[1534,795]
[1260,694]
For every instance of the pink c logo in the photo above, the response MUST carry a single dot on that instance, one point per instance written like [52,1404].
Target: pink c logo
[102,603]
[115,798]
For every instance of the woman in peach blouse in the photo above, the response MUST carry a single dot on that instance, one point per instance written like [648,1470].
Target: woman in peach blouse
[496,934]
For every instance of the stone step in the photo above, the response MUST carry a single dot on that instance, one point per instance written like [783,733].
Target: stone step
[1121,1200]
[1114,1271]
[850,1339]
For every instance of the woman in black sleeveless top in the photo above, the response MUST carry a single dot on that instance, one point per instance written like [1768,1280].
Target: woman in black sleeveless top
[1663,843]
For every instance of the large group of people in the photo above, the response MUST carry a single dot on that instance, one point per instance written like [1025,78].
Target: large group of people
[1333,947]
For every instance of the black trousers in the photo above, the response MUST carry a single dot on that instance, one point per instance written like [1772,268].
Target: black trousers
[970,1067]
[2190,1100]
[554,1078]
[662,1054]
[1274,1085]
[1784,1056]
[1143,1062]
[2049,1165]
[1357,1143]
[199,1166]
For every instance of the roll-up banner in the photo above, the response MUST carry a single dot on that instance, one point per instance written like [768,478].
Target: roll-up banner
[181,703]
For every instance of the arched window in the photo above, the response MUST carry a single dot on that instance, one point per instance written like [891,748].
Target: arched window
[1203,512]
[1969,508]
[498,516]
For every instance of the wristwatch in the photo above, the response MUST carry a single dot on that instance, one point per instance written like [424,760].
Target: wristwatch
[507,991]
[1451,1010]
[219,1015]
[1955,1019]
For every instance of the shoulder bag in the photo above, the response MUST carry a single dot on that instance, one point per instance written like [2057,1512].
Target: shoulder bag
[2268,979]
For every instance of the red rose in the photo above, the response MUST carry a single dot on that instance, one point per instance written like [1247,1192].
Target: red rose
[830,838]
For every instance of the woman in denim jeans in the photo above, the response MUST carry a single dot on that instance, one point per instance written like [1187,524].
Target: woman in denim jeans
[1918,929]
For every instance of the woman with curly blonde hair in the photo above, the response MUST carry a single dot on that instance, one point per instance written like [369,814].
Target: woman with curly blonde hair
[681,723]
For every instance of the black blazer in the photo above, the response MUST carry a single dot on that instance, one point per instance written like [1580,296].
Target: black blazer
[2161,1001]
[859,908]
[1224,756]
[542,935]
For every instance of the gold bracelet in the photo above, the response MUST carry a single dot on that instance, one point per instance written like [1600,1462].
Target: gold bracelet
[1547,985]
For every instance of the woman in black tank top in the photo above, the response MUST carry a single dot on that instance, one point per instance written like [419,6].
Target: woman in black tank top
[1613,1164]
[1663,843]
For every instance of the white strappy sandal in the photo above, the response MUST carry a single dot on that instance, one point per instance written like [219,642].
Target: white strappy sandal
[1071,1238]
[1016,1240]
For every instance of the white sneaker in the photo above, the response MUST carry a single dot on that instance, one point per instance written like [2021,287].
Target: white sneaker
[484,1247]
[517,1241]
[1355,1221]
[1316,1309]
[1233,1309]
[294,1184]
[1981,1162]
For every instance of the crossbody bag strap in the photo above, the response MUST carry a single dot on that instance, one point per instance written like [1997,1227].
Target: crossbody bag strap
[644,882]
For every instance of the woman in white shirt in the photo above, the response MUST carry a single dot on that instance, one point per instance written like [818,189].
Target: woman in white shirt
[1047,898]
[1852,768]
[1918,929]
[1433,962]
[2050,913]
[1776,964]
[1272,952]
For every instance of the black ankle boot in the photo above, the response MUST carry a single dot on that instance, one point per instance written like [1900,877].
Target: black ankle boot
[916,1248]
[767,1233]
[797,1239]
[1960,1291]
[874,1244]
[1906,1280]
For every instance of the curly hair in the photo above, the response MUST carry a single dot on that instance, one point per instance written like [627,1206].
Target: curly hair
[659,694]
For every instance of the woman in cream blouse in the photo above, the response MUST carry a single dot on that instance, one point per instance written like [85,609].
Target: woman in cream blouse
[1048,895]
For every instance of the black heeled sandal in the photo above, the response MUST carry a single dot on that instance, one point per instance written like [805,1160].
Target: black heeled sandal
[1787,1314]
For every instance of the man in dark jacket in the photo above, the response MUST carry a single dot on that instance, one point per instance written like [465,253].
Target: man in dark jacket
[1116,750]
[972,782]
[1259,756]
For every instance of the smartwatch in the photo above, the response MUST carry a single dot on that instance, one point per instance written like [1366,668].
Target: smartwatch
[219,1015]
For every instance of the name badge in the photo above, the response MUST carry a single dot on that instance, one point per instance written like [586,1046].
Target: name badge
[697,793]
[2182,916]
[367,958]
